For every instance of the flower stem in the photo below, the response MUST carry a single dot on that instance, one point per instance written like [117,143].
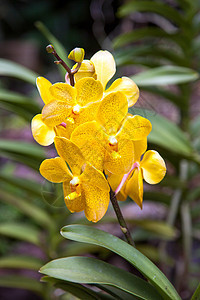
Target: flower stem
[59,61]
[120,218]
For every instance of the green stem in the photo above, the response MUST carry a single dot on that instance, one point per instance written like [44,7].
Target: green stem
[120,218]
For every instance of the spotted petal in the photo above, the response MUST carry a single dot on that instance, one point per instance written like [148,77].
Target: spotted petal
[42,133]
[55,112]
[120,162]
[94,177]
[105,66]
[70,153]
[126,86]
[112,110]
[153,167]
[134,187]
[134,128]
[87,114]
[63,92]
[89,137]
[43,86]
[55,170]
[88,90]
[96,201]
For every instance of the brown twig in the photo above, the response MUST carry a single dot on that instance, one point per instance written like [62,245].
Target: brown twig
[120,218]
[59,61]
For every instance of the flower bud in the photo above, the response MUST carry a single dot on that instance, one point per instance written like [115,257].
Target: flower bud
[50,48]
[87,69]
[77,54]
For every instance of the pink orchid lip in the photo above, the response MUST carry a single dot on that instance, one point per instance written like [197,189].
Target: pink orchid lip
[135,165]
[63,124]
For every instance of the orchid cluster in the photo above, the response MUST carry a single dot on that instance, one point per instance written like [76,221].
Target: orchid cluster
[100,145]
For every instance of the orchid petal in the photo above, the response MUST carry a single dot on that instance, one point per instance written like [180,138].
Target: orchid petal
[96,202]
[55,170]
[134,187]
[134,128]
[42,133]
[89,137]
[139,148]
[126,86]
[120,161]
[88,90]
[55,112]
[105,66]
[63,92]
[94,177]
[112,110]
[70,153]
[153,167]
[43,86]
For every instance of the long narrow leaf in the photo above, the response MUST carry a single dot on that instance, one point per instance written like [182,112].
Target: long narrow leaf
[148,32]
[33,211]
[95,236]
[12,69]
[20,262]
[155,7]
[76,289]
[20,231]
[165,75]
[21,282]
[196,295]
[92,271]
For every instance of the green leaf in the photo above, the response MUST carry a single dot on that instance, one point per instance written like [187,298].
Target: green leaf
[165,75]
[62,52]
[21,282]
[160,91]
[165,133]
[196,295]
[91,271]
[19,104]
[26,153]
[12,69]
[28,185]
[75,289]
[26,115]
[116,293]
[21,262]
[83,233]
[148,33]
[20,231]
[157,227]
[156,197]
[155,7]
[28,149]
[34,212]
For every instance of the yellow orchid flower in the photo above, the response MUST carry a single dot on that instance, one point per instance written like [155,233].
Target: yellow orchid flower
[151,168]
[85,188]
[102,66]
[107,142]
[65,105]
